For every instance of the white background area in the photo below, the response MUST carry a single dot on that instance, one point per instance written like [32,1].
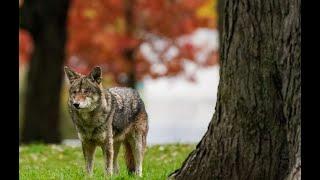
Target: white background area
[180,111]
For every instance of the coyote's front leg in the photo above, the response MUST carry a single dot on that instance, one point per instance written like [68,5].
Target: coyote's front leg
[108,153]
[88,150]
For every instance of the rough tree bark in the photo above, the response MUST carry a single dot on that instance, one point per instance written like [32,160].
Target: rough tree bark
[46,21]
[255,130]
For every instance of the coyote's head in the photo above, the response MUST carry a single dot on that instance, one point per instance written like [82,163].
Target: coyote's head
[85,92]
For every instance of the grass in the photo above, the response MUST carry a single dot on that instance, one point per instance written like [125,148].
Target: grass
[40,161]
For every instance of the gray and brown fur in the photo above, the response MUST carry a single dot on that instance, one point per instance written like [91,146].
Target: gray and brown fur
[107,118]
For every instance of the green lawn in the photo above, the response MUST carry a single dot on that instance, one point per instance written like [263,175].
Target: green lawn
[63,162]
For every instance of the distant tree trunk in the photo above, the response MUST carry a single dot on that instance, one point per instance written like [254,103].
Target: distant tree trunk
[46,21]
[131,82]
[255,130]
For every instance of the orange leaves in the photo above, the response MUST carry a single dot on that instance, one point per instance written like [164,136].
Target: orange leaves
[99,32]
[187,51]
[25,46]
[191,4]
[212,59]
[89,13]
[113,44]
[104,40]
[170,18]
[126,42]
[206,9]
[188,25]
[142,67]
[174,67]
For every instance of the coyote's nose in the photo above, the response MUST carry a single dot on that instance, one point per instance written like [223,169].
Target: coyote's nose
[76,105]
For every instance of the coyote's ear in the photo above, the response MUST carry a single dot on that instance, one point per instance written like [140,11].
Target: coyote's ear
[72,75]
[96,75]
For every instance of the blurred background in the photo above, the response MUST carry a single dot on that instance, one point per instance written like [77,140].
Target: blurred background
[166,49]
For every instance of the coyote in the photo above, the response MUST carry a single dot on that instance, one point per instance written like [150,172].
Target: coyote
[107,118]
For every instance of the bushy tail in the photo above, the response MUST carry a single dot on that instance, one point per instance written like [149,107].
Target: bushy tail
[129,157]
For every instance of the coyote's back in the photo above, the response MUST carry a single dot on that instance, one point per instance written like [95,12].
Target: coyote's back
[128,107]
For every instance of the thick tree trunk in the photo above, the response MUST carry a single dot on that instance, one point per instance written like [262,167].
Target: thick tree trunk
[46,21]
[255,131]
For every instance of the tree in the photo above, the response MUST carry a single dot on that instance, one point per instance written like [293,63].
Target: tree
[255,130]
[109,33]
[46,22]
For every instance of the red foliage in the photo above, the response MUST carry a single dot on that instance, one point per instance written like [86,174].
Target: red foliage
[187,51]
[25,46]
[100,32]
[212,59]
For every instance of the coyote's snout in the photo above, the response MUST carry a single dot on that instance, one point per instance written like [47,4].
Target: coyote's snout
[107,118]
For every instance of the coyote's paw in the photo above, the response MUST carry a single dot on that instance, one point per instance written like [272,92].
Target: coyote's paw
[109,171]
[138,173]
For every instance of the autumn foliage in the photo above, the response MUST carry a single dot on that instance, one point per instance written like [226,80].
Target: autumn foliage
[102,32]
[25,46]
